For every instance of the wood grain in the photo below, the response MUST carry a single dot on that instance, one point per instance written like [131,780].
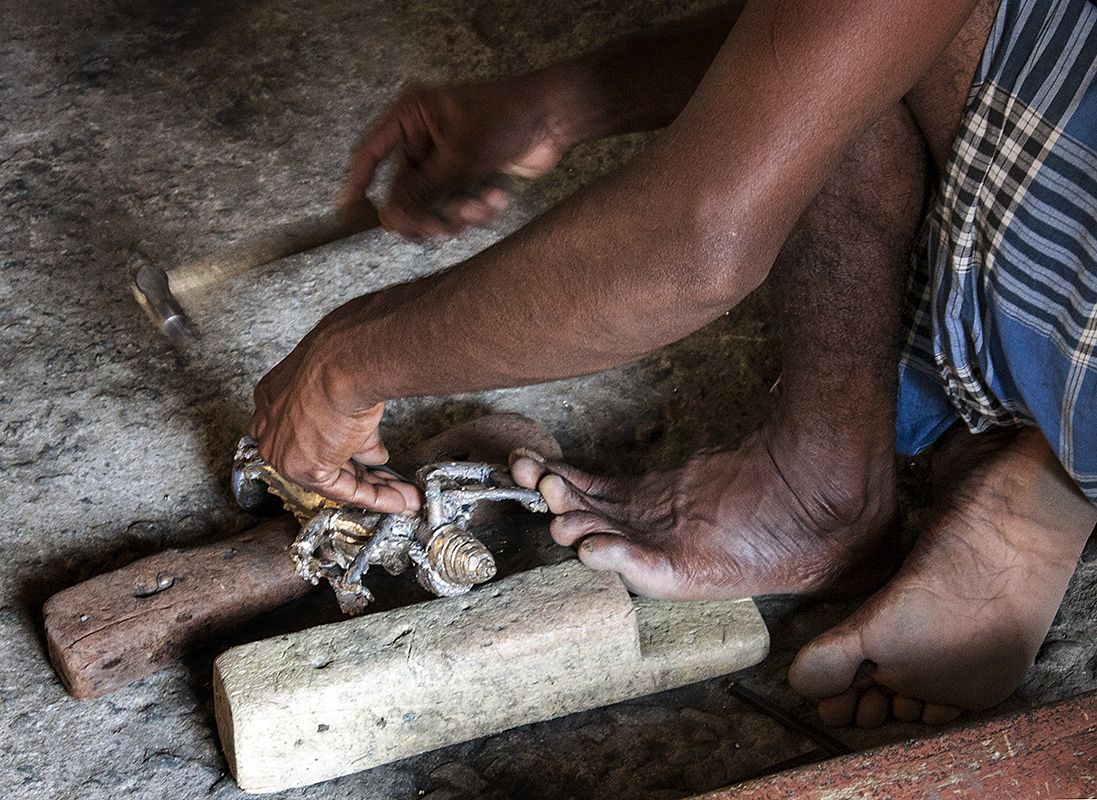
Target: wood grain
[1046,753]
[115,628]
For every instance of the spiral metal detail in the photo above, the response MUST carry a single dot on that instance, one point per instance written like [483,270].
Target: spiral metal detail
[339,544]
[459,558]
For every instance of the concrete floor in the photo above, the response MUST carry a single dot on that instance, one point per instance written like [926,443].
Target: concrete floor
[173,128]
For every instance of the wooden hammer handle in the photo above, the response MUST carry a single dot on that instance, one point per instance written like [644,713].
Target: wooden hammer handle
[267,246]
[115,628]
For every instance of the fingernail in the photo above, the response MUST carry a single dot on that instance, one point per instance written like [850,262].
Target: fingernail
[525,452]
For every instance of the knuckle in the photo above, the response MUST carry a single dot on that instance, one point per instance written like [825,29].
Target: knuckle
[310,476]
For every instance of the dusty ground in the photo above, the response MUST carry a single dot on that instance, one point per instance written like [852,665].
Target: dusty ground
[172,128]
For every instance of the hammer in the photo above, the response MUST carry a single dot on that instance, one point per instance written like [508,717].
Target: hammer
[159,292]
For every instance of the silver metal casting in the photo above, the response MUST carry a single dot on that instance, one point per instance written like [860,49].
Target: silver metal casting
[340,543]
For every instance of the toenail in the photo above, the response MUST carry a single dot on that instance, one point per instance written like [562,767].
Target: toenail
[551,482]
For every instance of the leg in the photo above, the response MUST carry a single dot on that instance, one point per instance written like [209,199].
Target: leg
[963,619]
[804,504]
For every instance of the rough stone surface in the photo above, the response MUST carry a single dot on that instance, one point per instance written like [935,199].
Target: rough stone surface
[173,128]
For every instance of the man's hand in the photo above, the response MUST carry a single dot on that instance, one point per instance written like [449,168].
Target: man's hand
[451,147]
[304,431]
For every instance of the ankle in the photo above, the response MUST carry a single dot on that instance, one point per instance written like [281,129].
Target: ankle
[857,457]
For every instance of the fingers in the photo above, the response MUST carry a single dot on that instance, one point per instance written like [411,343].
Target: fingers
[479,210]
[313,445]
[359,486]
[438,188]
[439,196]
[409,210]
[417,225]
[355,484]
[373,148]
[406,130]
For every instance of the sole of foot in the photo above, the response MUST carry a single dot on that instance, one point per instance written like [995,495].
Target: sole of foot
[961,622]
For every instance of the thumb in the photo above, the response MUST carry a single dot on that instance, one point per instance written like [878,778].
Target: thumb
[372,454]
[370,151]
[372,450]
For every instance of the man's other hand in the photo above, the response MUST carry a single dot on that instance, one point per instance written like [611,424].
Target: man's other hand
[451,146]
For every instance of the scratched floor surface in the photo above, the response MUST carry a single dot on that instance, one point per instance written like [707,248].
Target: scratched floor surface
[172,128]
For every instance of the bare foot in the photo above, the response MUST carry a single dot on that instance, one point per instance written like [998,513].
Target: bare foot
[962,620]
[730,523]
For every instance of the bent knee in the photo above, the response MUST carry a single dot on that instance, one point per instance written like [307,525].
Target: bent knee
[881,179]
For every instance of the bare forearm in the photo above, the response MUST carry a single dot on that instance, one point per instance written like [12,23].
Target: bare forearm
[665,244]
[636,83]
[593,284]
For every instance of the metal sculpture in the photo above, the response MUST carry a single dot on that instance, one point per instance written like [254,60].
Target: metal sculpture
[340,543]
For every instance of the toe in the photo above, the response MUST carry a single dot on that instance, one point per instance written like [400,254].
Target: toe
[838,711]
[570,527]
[583,482]
[936,714]
[827,665]
[872,708]
[907,709]
[564,487]
[643,570]
[527,468]
[560,495]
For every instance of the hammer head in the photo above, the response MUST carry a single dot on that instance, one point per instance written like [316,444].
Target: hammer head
[153,292]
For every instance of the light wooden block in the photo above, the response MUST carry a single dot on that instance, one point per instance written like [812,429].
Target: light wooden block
[332,700]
